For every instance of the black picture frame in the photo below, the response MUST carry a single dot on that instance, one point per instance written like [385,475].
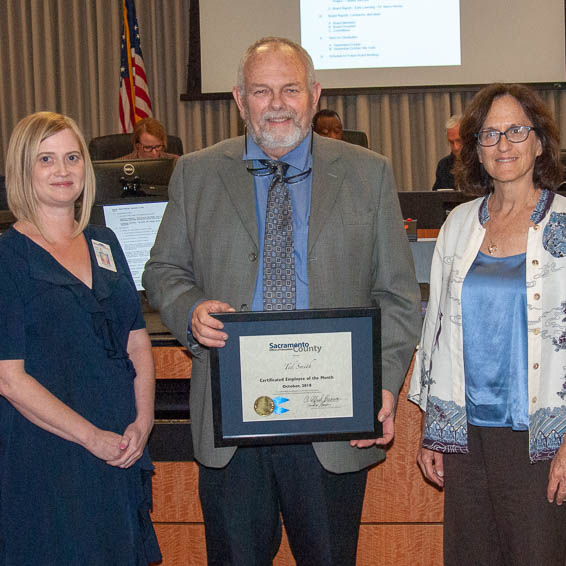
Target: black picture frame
[364,326]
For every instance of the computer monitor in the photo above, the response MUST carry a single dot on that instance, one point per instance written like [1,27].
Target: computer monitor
[430,208]
[131,178]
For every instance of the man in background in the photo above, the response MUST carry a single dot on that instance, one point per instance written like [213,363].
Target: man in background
[444,169]
[344,246]
[150,141]
[327,123]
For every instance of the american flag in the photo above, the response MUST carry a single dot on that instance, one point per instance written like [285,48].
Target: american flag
[135,103]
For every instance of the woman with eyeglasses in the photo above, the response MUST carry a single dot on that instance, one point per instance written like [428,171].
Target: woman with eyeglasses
[490,371]
[76,368]
[150,141]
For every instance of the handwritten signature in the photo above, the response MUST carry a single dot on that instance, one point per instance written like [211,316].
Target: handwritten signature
[321,400]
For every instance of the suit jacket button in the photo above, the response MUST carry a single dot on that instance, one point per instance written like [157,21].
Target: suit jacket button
[252,256]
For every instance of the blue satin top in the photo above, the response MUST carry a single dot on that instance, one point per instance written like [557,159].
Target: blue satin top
[494,321]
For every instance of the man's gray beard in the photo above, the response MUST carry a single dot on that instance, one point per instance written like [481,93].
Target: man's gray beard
[267,140]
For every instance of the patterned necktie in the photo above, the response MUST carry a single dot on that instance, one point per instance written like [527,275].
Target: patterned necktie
[279,283]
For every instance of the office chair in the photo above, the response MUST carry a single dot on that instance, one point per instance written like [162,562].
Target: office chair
[356,137]
[116,145]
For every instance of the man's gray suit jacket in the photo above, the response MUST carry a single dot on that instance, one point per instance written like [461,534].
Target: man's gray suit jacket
[358,255]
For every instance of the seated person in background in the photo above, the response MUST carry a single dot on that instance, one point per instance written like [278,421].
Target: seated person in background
[444,176]
[327,123]
[150,141]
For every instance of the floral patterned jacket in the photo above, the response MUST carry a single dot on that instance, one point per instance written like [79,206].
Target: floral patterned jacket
[437,383]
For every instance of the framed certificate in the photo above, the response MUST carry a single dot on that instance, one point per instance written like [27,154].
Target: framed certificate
[297,376]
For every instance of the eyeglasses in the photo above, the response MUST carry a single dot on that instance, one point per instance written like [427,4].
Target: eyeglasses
[149,148]
[270,169]
[514,134]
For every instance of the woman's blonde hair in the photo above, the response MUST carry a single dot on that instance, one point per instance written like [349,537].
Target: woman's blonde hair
[23,149]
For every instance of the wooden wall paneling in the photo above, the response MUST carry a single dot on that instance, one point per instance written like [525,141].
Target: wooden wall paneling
[400,545]
[181,544]
[175,493]
[172,362]
[427,232]
[396,490]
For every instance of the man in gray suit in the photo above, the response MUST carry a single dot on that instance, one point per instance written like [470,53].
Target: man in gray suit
[350,250]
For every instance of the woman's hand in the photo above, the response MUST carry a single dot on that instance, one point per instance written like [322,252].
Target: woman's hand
[557,477]
[431,465]
[104,444]
[132,443]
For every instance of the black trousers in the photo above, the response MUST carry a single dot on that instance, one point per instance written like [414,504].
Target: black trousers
[495,507]
[243,502]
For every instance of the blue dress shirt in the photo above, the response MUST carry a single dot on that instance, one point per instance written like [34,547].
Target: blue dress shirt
[299,159]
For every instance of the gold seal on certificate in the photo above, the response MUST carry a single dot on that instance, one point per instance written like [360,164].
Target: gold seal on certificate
[264,406]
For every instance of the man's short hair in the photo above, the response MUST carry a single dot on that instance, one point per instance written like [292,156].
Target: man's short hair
[453,121]
[325,113]
[279,42]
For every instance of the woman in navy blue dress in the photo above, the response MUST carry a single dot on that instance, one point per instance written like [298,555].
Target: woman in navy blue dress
[76,369]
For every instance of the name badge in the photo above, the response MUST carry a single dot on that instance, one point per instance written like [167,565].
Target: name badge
[103,255]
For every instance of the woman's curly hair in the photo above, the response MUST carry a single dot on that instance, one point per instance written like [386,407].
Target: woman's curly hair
[471,176]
